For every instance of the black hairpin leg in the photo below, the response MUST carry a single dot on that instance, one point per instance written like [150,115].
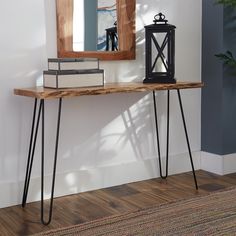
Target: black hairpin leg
[54,166]
[33,139]
[187,139]
[167,136]
[167,141]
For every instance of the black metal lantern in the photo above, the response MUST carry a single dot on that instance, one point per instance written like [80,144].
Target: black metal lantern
[160,51]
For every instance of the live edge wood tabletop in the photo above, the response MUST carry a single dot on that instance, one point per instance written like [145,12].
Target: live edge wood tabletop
[126,87]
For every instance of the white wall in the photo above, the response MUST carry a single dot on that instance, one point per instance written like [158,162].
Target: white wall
[95,144]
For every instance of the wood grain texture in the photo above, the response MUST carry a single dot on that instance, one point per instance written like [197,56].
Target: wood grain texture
[65,28]
[46,93]
[126,32]
[84,207]
[118,55]
[126,23]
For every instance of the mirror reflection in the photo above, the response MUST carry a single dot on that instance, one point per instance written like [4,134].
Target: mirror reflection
[95,25]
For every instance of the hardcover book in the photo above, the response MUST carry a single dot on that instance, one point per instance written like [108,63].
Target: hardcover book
[73,78]
[73,63]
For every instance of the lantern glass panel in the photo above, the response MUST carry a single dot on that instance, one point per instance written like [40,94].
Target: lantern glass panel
[159,53]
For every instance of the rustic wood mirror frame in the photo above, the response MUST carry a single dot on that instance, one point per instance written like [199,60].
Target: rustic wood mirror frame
[126,32]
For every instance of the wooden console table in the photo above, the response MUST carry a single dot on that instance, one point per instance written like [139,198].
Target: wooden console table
[42,94]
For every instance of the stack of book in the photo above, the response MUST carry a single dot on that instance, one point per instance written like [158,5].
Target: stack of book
[73,73]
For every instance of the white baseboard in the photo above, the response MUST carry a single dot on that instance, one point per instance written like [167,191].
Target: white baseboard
[91,179]
[218,164]
[107,176]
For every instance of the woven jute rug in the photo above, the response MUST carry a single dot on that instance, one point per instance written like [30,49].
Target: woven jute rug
[213,214]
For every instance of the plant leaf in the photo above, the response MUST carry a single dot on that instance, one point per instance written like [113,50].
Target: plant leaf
[231,3]
[227,58]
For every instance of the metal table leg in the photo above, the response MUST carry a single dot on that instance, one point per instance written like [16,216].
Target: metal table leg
[54,166]
[167,141]
[33,139]
[187,139]
[157,134]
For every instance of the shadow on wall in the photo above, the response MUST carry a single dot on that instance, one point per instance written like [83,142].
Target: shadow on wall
[102,138]
[104,130]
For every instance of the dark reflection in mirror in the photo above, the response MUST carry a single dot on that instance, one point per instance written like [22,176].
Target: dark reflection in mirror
[112,38]
[94,25]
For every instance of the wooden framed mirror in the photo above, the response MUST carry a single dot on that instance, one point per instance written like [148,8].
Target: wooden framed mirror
[124,24]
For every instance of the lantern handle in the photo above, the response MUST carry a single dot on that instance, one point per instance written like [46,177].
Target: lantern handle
[161,19]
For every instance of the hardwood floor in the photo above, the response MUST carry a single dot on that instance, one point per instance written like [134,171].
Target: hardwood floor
[92,205]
